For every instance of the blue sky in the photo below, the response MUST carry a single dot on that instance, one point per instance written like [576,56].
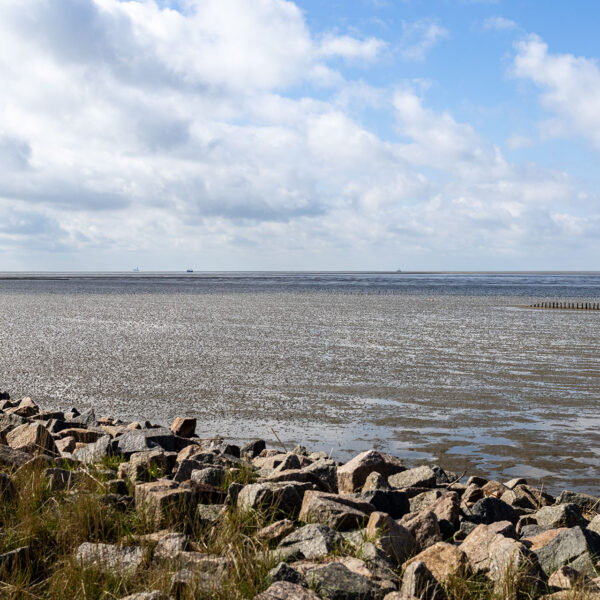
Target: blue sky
[271,134]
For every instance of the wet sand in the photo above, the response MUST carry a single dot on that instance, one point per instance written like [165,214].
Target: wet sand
[467,380]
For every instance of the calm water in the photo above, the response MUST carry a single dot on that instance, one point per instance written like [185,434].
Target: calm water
[444,368]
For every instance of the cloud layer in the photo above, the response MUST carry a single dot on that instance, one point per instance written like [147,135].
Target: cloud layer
[223,132]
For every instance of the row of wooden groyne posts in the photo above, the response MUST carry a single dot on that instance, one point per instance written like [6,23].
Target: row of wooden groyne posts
[568,305]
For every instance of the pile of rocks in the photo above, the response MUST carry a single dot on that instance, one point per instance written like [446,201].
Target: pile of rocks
[366,529]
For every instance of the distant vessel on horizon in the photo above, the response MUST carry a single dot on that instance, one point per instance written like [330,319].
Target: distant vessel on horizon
[136,269]
[190,271]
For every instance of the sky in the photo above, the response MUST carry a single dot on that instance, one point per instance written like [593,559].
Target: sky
[299,135]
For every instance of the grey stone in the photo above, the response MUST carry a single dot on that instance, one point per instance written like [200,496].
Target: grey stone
[393,502]
[169,545]
[424,527]
[585,502]
[336,582]
[420,477]
[109,558]
[253,448]
[141,440]
[283,572]
[489,510]
[284,590]
[286,496]
[208,475]
[93,453]
[146,466]
[419,582]
[87,418]
[375,481]
[352,475]
[326,470]
[337,511]
[310,542]
[561,515]
[393,539]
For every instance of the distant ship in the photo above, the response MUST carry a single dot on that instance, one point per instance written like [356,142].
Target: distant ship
[136,269]
[190,271]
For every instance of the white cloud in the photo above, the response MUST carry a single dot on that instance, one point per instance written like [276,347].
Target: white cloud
[351,48]
[419,37]
[497,23]
[149,131]
[570,88]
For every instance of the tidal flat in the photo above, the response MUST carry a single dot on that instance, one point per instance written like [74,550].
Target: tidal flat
[431,368]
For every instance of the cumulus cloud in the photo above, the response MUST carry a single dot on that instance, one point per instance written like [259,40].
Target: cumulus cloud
[570,88]
[133,127]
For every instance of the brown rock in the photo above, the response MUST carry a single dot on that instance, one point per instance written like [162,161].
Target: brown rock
[472,494]
[164,500]
[566,578]
[494,489]
[276,531]
[85,436]
[447,510]
[419,477]
[184,427]
[395,540]
[419,582]
[189,452]
[338,512]
[32,438]
[424,527]
[352,475]
[445,561]
[375,481]
[26,408]
[67,444]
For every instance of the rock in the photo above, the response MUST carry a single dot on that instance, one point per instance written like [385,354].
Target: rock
[424,527]
[326,471]
[8,491]
[60,479]
[67,444]
[286,496]
[393,502]
[561,515]
[291,461]
[109,558]
[87,418]
[253,448]
[85,436]
[489,510]
[585,502]
[566,578]
[148,439]
[209,514]
[186,583]
[447,511]
[472,494]
[93,453]
[520,496]
[169,545]
[309,542]
[441,477]
[283,572]
[145,466]
[164,500]
[352,475]
[276,531]
[393,539]
[188,466]
[375,481]
[184,427]
[339,512]
[594,524]
[10,421]
[299,475]
[501,558]
[445,561]
[513,483]
[423,500]
[284,590]
[32,438]
[420,477]
[557,547]
[335,581]
[495,489]
[419,582]
[210,564]
[210,475]
[26,408]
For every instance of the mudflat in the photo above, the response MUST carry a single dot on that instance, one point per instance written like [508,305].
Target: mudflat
[442,368]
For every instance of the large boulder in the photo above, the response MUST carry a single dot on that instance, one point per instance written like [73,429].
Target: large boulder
[95,452]
[444,560]
[393,502]
[560,515]
[424,527]
[309,542]
[164,500]
[145,466]
[393,539]
[587,503]
[490,509]
[141,440]
[286,497]
[335,581]
[338,512]
[420,477]
[184,427]
[352,476]
[32,438]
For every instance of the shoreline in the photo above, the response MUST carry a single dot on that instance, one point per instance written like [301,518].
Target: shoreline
[144,512]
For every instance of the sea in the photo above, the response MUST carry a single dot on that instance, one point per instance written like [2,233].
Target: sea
[445,368]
